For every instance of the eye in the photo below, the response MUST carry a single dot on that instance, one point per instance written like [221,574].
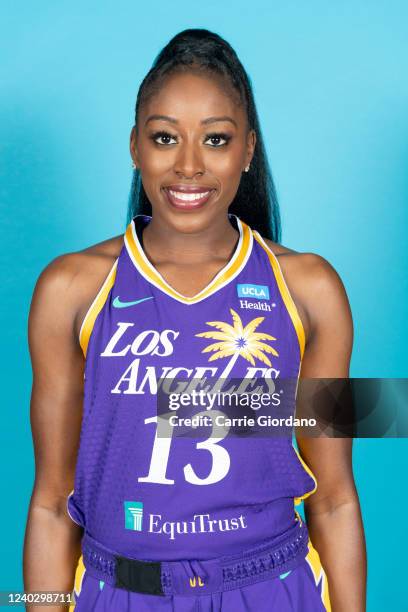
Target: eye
[217,136]
[164,135]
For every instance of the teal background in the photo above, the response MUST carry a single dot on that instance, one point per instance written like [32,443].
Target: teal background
[332,91]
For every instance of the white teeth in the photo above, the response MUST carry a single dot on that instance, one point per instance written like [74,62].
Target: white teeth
[188,197]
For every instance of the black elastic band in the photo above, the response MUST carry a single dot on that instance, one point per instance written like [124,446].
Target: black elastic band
[139,576]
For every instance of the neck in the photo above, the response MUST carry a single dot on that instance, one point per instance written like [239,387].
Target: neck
[163,241]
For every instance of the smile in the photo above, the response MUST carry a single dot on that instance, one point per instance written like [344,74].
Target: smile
[184,199]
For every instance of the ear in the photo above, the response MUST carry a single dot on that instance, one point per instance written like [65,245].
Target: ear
[250,149]
[133,147]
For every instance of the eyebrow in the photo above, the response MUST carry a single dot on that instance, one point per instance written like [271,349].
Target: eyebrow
[203,122]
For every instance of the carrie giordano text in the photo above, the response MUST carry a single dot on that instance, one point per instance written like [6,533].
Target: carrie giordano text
[221,420]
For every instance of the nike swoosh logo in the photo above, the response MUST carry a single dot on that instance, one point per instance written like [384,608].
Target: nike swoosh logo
[118,304]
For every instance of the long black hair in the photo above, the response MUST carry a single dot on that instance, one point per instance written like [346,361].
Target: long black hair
[193,49]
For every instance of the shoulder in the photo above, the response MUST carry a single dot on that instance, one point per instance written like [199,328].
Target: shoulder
[314,284]
[306,268]
[70,282]
[71,271]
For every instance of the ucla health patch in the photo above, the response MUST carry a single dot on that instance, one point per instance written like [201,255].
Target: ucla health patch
[257,292]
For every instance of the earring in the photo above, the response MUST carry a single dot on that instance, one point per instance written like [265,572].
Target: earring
[247,168]
[134,165]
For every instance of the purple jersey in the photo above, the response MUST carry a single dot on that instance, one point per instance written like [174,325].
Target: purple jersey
[151,497]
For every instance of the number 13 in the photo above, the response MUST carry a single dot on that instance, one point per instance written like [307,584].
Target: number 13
[161,451]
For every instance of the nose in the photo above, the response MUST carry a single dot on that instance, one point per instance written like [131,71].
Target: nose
[189,160]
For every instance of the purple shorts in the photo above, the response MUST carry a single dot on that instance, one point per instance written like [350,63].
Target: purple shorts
[297,584]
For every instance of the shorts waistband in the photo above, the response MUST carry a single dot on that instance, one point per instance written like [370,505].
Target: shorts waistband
[197,577]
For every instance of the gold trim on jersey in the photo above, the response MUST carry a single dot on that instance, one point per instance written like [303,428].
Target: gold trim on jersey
[300,332]
[96,307]
[78,580]
[285,293]
[313,559]
[69,514]
[298,500]
[224,276]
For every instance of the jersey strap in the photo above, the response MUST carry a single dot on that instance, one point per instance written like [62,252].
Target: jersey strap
[96,307]
[285,293]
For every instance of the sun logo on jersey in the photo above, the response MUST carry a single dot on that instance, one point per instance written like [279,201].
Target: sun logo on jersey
[236,340]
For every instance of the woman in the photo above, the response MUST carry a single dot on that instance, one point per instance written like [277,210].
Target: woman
[161,521]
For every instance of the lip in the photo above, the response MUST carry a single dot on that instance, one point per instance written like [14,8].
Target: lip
[189,188]
[185,204]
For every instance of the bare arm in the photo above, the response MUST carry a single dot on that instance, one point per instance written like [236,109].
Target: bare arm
[333,511]
[52,539]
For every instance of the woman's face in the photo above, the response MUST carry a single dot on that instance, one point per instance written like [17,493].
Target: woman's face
[192,145]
